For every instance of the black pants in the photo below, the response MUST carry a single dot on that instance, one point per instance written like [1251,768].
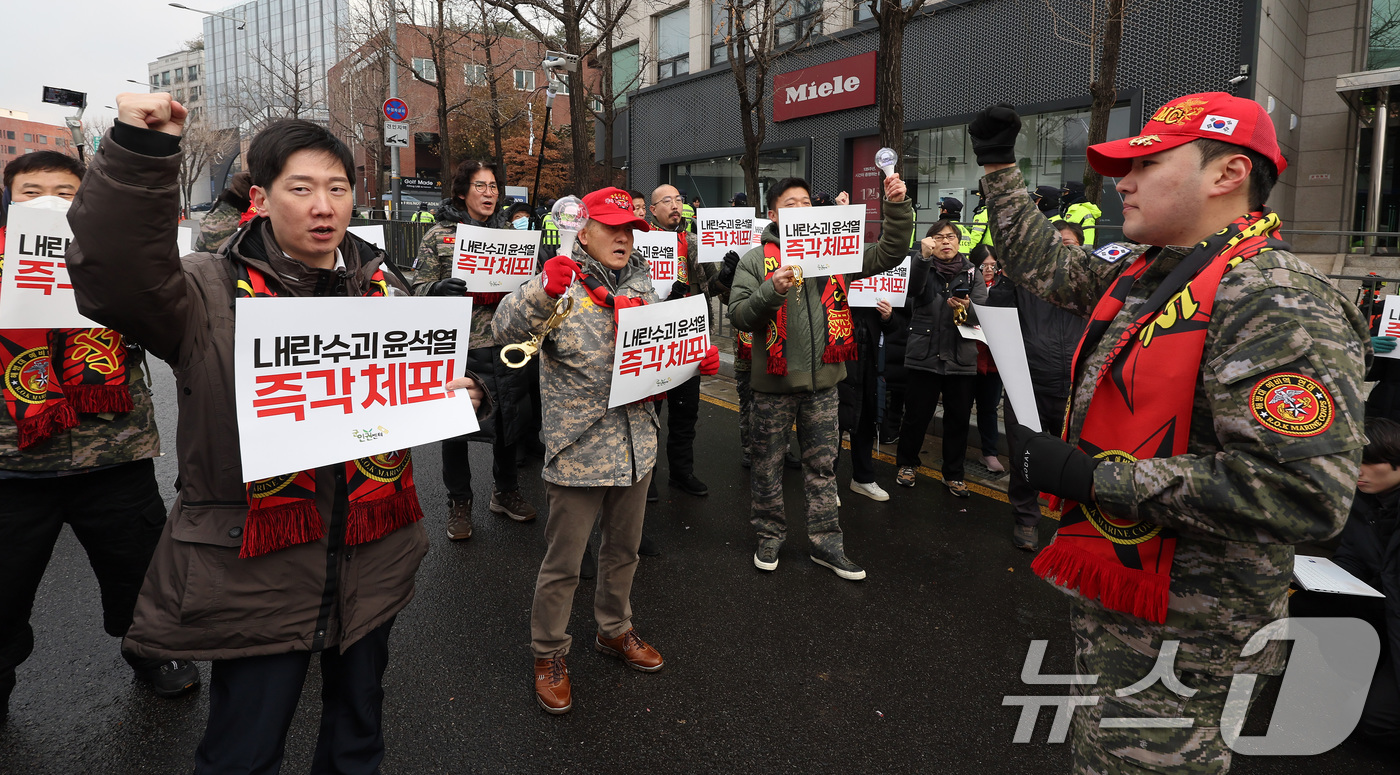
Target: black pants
[682,411]
[922,391]
[457,466]
[1025,499]
[867,426]
[251,702]
[117,515]
[893,417]
[988,396]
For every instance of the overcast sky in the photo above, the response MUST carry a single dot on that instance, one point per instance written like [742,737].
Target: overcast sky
[90,46]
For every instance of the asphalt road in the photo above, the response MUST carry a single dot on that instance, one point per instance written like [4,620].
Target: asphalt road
[793,671]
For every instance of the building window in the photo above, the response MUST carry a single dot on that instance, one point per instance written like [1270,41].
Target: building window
[194,93]
[475,75]
[43,139]
[525,80]
[155,80]
[179,75]
[720,27]
[10,135]
[673,43]
[863,11]
[626,64]
[165,78]
[559,83]
[425,69]
[28,138]
[796,18]
[192,72]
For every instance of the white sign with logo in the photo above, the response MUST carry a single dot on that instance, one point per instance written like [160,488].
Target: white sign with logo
[35,291]
[659,346]
[660,249]
[823,240]
[892,286]
[346,378]
[722,229]
[494,260]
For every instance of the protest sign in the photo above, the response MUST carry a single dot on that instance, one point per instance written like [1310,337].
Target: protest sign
[35,291]
[373,234]
[822,240]
[659,346]
[722,229]
[660,249]
[892,286]
[1390,324]
[319,381]
[759,226]
[184,240]
[494,260]
[1001,330]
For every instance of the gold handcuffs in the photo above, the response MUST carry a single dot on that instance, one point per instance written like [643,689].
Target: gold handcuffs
[527,349]
[796,275]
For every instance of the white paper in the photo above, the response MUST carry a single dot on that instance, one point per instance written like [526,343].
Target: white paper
[35,291]
[1390,323]
[1319,574]
[823,240]
[1001,329]
[722,229]
[290,368]
[373,234]
[660,249]
[659,346]
[184,240]
[972,332]
[760,225]
[494,260]
[892,286]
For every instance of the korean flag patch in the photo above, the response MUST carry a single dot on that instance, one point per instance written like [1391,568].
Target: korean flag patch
[1113,251]
[1220,125]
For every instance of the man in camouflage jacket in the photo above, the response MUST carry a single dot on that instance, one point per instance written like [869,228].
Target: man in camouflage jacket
[224,219]
[1250,485]
[598,460]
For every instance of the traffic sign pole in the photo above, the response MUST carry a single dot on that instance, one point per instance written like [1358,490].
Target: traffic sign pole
[395,184]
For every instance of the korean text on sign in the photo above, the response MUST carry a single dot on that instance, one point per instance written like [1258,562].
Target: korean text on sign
[494,260]
[722,229]
[35,291]
[892,286]
[823,240]
[1390,323]
[661,250]
[349,377]
[659,346]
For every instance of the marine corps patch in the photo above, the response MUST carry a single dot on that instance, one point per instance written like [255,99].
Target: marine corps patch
[27,378]
[387,467]
[1293,405]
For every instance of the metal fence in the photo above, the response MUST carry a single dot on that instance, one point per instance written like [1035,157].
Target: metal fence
[401,238]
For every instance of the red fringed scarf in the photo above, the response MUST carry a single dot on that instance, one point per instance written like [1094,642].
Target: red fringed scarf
[282,509]
[1124,564]
[840,330]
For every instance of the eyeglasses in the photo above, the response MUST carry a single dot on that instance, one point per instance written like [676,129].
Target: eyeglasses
[666,200]
[481,185]
[945,238]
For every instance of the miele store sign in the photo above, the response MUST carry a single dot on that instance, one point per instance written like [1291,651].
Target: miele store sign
[845,83]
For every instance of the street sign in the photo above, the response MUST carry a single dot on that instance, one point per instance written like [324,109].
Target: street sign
[396,134]
[395,109]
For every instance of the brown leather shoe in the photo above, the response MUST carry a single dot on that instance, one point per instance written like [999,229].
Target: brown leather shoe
[513,505]
[552,685]
[631,649]
[459,519]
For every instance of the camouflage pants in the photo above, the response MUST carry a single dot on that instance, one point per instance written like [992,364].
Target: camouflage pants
[819,439]
[745,387]
[1099,751]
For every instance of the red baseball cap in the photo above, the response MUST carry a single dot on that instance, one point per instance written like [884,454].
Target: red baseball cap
[1209,116]
[613,206]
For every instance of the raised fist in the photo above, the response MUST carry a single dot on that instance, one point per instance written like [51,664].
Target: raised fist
[152,111]
[993,134]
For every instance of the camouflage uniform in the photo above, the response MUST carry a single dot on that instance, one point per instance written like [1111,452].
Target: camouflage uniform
[216,227]
[1242,495]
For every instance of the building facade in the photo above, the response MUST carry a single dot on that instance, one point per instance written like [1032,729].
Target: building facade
[183,75]
[19,135]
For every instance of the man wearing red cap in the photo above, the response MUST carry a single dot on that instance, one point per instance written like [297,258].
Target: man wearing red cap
[1214,423]
[598,460]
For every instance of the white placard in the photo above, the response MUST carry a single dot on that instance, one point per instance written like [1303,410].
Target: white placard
[659,346]
[319,381]
[974,333]
[760,225]
[1001,327]
[1319,574]
[184,240]
[722,229]
[1390,323]
[494,260]
[373,234]
[35,291]
[892,286]
[660,249]
[823,240]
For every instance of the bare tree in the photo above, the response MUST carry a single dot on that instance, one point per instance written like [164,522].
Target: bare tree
[358,93]
[279,85]
[499,108]
[576,20]
[756,33]
[892,16]
[200,145]
[611,88]
[440,26]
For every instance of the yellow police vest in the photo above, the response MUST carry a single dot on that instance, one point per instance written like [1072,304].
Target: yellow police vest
[423,216]
[979,224]
[1085,215]
[551,232]
[688,217]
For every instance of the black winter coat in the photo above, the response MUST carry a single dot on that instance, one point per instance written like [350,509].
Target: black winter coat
[862,374]
[1050,333]
[1370,551]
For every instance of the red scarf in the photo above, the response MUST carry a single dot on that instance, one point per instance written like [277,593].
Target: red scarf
[840,331]
[42,401]
[1125,564]
[282,509]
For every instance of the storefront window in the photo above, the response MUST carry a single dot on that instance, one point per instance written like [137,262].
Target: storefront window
[1384,48]
[716,180]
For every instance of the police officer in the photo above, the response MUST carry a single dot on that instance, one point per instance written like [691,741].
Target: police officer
[1078,210]
[950,209]
[549,241]
[424,215]
[1214,421]
[687,211]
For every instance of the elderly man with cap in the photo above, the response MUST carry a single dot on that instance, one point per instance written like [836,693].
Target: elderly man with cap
[598,460]
[1214,423]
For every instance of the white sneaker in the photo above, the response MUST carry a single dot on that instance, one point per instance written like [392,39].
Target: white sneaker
[993,464]
[870,490]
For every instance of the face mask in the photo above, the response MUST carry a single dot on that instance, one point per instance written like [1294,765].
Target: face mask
[47,203]
[521,223]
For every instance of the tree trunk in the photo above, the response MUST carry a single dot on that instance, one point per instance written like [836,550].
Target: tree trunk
[1103,93]
[494,91]
[578,130]
[889,76]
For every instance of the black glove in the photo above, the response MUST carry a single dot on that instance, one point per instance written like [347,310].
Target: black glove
[679,290]
[993,134]
[1051,464]
[731,263]
[452,286]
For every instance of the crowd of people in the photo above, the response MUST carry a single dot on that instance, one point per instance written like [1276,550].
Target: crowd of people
[1184,474]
